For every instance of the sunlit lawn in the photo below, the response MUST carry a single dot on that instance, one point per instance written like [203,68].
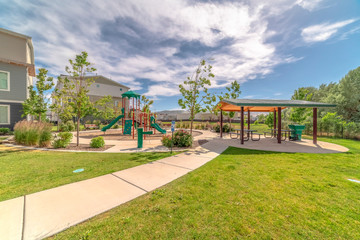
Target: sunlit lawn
[23,172]
[245,194]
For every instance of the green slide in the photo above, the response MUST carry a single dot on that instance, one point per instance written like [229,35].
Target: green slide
[156,126]
[113,121]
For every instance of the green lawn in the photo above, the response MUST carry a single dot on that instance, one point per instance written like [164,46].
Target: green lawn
[245,194]
[23,172]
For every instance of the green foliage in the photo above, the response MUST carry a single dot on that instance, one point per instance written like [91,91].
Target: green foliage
[226,128]
[60,104]
[97,122]
[104,109]
[36,104]
[146,103]
[261,118]
[298,115]
[31,133]
[195,90]
[181,139]
[62,140]
[97,142]
[4,131]
[269,120]
[116,126]
[166,141]
[69,126]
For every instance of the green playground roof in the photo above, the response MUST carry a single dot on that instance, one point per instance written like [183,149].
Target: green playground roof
[265,105]
[131,94]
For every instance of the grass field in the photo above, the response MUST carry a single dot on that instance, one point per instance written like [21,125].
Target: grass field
[23,172]
[245,194]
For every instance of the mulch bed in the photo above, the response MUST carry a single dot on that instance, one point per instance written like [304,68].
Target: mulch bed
[84,147]
[117,135]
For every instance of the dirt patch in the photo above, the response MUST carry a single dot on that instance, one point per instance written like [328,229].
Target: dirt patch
[84,147]
[117,135]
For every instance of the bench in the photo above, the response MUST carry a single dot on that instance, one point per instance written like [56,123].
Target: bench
[238,135]
[257,134]
[271,134]
[91,126]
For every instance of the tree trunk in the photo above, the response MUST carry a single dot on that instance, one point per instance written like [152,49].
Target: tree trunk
[230,123]
[77,131]
[40,117]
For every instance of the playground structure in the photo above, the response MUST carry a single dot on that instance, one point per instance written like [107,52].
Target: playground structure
[133,118]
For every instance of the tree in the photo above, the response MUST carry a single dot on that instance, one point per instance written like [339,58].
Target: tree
[211,104]
[77,88]
[269,120]
[104,109]
[191,90]
[146,103]
[60,105]
[233,92]
[37,104]
[348,98]
[299,115]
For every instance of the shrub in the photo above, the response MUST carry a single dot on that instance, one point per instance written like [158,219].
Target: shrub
[256,122]
[70,126]
[97,142]
[182,139]
[226,128]
[33,133]
[178,124]
[116,126]
[4,131]
[97,122]
[166,141]
[62,140]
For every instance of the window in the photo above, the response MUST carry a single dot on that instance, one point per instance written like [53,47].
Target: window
[4,114]
[97,85]
[4,81]
[120,89]
[116,103]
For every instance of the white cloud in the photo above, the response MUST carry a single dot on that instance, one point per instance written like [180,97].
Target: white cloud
[309,4]
[322,32]
[61,29]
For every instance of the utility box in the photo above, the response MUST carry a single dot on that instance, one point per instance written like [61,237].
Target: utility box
[296,131]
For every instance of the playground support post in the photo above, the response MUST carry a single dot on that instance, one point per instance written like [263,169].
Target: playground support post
[133,125]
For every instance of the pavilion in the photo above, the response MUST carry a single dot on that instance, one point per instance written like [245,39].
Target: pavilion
[267,105]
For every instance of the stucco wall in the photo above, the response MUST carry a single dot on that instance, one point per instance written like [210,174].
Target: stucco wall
[13,48]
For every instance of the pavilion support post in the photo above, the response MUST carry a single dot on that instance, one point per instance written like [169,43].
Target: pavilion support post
[315,125]
[274,119]
[221,123]
[279,125]
[242,126]
[248,123]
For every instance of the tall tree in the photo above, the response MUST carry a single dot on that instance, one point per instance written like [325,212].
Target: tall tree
[299,115]
[60,106]
[77,88]
[348,98]
[191,90]
[232,92]
[37,103]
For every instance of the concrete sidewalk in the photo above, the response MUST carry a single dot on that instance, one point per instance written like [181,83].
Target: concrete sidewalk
[48,212]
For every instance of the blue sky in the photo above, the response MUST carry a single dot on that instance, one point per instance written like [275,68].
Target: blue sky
[270,47]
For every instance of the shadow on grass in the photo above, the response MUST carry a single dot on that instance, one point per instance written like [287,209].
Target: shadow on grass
[4,152]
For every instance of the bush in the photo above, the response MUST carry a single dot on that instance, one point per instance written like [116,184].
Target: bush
[70,126]
[62,140]
[31,133]
[116,126]
[166,141]
[97,122]
[97,142]
[181,139]
[4,131]
[226,128]
[256,122]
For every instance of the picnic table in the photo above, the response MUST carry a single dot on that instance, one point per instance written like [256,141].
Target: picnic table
[248,132]
[284,133]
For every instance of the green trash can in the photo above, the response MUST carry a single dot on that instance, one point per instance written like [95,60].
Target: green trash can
[296,131]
